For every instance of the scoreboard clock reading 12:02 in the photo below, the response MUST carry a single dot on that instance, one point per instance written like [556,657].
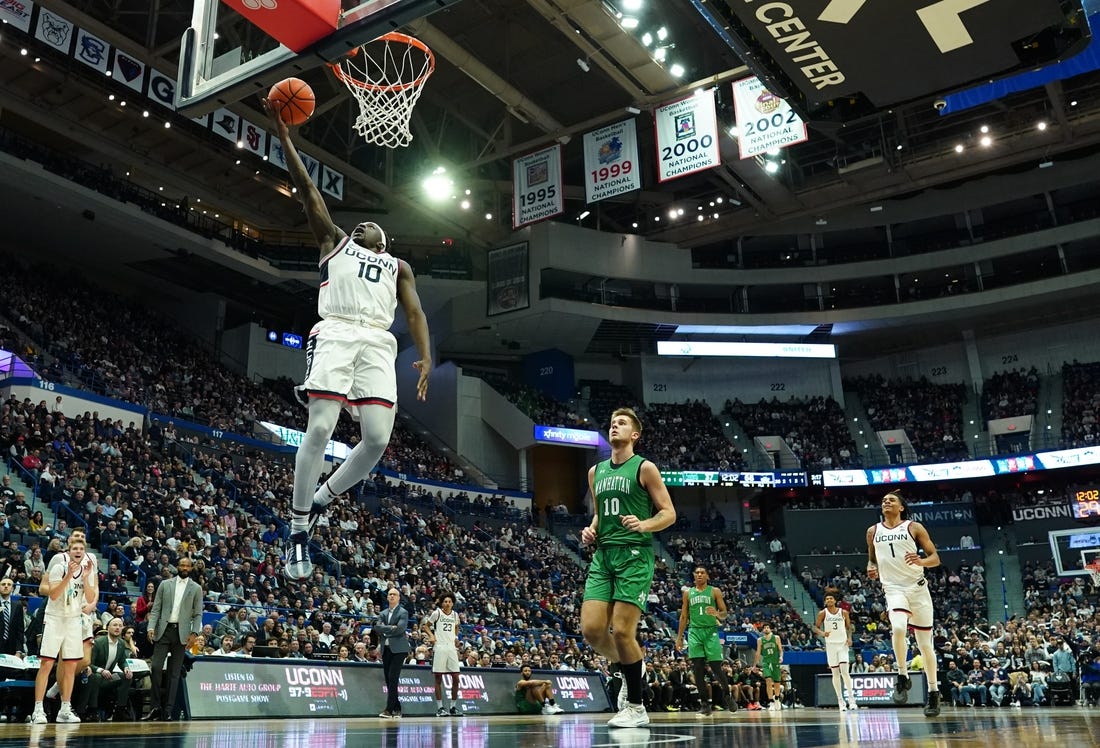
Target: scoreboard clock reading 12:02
[1085,503]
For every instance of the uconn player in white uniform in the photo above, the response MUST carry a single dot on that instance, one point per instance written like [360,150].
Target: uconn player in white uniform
[835,626]
[892,557]
[349,355]
[69,594]
[441,629]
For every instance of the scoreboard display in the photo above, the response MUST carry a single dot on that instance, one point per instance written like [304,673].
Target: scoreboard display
[1084,503]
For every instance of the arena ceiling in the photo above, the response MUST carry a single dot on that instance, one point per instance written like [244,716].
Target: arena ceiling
[513,75]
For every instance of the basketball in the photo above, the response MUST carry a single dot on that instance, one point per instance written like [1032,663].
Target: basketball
[294,100]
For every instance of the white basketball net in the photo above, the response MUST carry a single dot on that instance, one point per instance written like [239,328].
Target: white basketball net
[386,77]
[1094,573]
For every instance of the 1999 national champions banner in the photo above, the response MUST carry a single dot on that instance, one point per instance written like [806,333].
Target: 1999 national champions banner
[246,688]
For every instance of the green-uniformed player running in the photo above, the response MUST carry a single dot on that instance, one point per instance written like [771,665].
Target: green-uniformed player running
[631,503]
[702,609]
[769,658]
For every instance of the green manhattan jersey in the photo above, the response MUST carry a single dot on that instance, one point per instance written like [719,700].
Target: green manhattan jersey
[769,650]
[619,493]
[698,601]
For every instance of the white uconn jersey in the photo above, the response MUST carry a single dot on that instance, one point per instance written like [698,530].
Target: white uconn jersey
[891,545]
[834,625]
[72,600]
[358,285]
[444,627]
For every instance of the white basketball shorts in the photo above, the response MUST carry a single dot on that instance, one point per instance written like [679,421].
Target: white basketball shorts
[445,660]
[913,599]
[350,363]
[836,654]
[85,627]
[61,638]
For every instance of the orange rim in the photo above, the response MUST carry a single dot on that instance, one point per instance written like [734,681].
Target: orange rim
[393,36]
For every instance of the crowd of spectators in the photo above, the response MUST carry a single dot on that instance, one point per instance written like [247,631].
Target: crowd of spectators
[686,436]
[1010,393]
[604,398]
[535,404]
[930,414]
[1080,404]
[814,429]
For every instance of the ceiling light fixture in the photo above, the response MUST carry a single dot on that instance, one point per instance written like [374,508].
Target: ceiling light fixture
[1042,125]
[959,148]
[629,22]
[583,64]
[584,214]
[677,71]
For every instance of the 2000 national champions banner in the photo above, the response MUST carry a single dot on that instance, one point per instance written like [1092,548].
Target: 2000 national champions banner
[687,136]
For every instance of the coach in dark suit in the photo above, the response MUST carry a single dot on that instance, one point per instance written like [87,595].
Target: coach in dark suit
[12,636]
[174,621]
[391,628]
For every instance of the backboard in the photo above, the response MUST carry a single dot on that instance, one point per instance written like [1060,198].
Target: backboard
[1074,549]
[225,56]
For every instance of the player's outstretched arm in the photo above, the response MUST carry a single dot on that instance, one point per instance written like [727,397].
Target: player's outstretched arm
[588,533]
[418,325]
[324,230]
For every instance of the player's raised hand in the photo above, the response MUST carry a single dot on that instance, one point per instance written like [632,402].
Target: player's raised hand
[272,111]
[424,366]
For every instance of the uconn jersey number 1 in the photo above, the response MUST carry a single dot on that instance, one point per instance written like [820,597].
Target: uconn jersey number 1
[358,285]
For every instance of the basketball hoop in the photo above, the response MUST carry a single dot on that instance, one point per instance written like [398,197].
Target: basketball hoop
[386,76]
[1093,569]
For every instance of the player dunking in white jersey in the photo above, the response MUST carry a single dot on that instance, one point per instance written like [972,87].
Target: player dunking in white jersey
[441,628]
[892,557]
[349,355]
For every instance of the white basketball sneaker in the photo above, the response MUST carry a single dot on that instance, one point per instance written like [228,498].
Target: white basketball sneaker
[39,717]
[633,715]
[66,714]
[296,563]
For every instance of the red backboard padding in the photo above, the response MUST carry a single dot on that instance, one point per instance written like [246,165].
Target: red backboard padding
[294,23]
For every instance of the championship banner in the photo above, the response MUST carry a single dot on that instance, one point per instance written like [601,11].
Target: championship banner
[764,121]
[256,688]
[687,137]
[507,283]
[17,13]
[611,161]
[536,186]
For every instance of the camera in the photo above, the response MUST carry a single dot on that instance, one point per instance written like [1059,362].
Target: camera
[940,104]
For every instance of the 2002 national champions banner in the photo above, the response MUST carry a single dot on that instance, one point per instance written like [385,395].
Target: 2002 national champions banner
[687,136]
[611,161]
[764,121]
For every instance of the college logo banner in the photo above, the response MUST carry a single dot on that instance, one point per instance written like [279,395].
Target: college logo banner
[687,137]
[227,124]
[54,30]
[162,88]
[17,13]
[253,138]
[91,50]
[128,71]
[506,280]
[764,121]
[611,161]
[332,182]
[536,186]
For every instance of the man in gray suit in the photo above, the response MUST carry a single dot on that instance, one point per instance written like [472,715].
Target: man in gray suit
[174,622]
[391,629]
